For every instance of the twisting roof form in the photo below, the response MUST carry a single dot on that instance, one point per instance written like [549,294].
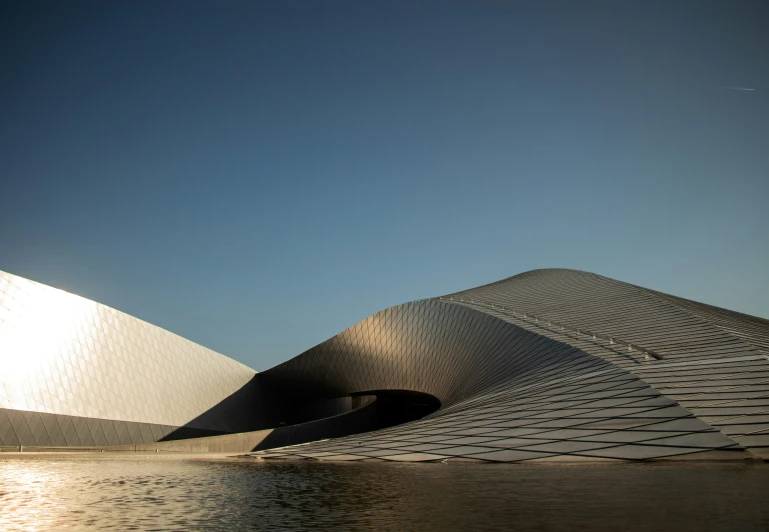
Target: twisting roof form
[546,365]
[551,364]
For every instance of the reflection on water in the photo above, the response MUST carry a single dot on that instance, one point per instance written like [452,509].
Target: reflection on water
[136,492]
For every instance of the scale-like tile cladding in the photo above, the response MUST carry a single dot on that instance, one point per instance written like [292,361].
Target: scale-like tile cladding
[546,365]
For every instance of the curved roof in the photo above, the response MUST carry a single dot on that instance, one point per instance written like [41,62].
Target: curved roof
[64,354]
[546,364]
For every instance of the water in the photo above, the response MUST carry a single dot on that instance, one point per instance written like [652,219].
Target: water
[158,492]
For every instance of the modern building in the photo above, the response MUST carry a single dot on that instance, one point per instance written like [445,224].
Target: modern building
[546,365]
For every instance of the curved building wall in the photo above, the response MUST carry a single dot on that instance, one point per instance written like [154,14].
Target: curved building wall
[713,361]
[610,370]
[546,365]
[507,393]
[70,364]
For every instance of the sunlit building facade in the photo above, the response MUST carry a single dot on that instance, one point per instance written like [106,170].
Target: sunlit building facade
[77,373]
[546,365]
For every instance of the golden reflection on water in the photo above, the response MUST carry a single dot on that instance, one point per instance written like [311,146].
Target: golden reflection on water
[176,492]
[31,496]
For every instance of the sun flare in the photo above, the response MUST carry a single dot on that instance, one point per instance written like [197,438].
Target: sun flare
[36,325]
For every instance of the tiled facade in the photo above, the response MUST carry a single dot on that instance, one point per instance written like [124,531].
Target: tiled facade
[551,365]
[546,365]
[112,377]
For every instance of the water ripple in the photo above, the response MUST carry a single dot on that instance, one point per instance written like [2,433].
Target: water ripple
[135,492]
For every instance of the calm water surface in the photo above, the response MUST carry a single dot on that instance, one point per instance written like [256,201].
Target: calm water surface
[139,492]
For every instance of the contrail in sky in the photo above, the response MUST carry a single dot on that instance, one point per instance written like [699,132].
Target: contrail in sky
[740,88]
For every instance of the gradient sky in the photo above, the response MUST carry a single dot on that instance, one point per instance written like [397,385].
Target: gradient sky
[257,177]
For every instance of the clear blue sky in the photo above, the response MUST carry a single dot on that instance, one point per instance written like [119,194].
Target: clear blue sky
[257,177]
